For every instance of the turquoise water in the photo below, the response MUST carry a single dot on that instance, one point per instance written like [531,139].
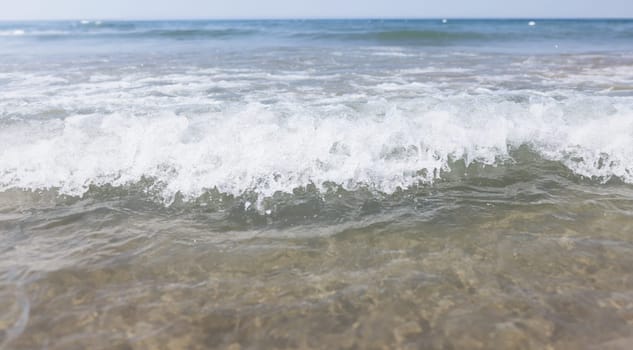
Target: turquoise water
[316,184]
[546,35]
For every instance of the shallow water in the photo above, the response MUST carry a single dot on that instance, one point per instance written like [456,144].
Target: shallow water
[317,184]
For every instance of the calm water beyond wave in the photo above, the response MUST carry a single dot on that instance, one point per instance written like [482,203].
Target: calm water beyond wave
[351,184]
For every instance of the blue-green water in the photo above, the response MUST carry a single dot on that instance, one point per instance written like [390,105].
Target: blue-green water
[316,184]
[546,35]
[578,34]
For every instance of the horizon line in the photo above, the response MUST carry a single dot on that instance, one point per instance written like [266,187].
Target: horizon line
[137,19]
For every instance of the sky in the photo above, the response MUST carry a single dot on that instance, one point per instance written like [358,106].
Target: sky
[212,9]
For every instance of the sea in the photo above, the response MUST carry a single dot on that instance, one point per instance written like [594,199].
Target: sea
[316,184]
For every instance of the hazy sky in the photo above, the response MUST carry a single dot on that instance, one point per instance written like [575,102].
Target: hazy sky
[160,9]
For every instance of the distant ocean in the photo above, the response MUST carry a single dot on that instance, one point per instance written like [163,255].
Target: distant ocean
[448,184]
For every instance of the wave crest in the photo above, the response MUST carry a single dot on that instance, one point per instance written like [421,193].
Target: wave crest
[259,150]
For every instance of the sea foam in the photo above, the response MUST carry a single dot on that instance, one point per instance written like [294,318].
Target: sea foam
[260,149]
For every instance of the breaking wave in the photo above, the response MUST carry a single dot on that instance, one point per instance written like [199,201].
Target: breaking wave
[255,149]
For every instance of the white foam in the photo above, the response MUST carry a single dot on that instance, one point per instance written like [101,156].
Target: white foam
[22,32]
[257,148]
[393,54]
[13,32]
[259,130]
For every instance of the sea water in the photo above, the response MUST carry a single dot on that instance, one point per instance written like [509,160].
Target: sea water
[316,184]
